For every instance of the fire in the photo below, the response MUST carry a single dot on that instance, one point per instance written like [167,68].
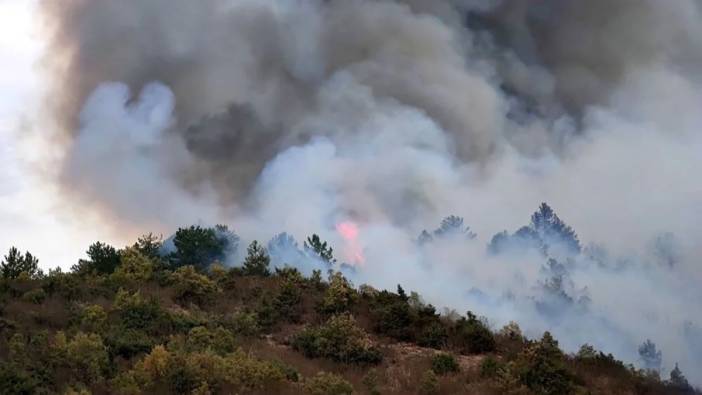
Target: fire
[353,253]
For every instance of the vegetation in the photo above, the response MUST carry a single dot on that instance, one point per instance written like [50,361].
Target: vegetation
[149,319]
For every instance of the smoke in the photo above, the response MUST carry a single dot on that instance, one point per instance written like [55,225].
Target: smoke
[382,117]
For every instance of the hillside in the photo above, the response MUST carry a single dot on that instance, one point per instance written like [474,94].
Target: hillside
[137,320]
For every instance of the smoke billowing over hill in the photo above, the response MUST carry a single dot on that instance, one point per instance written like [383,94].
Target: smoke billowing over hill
[369,121]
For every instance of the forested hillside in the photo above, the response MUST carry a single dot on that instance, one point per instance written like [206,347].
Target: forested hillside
[168,317]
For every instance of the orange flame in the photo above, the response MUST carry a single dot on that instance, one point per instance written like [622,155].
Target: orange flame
[352,250]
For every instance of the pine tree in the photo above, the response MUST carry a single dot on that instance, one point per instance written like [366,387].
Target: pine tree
[257,261]
[319,248]
[677,379]
[549,227]
[15,264]
[453,226]
[650,356]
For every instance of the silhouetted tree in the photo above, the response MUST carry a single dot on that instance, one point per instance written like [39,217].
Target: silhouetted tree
[319,248]
[678,380]
[149,245]
[257,261]
[424,238]
[550,228]
[453,226]
[200,247]
[103,259]
[650,355]
[15,264]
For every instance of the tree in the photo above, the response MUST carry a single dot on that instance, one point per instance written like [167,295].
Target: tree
[15,264]
[199,247]
[650,356]
[678,380]
[104,259]
[551,229]
[453,226]
[257,261]
[149,245]
[320,249]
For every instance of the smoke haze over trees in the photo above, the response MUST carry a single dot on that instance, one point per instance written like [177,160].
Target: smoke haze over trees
[297,116]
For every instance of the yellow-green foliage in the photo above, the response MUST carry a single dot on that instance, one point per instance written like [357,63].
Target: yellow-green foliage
[328,384]
[340,295]
[93,318]
[134,266]
[192,286]
[340,339]
[84,356]
[429,383]
[183,371]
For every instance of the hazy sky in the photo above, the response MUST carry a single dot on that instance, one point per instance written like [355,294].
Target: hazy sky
[27,217]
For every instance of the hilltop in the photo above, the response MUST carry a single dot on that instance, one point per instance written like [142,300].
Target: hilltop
[139,320]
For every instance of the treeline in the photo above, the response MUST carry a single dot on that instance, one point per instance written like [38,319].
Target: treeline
[167,317]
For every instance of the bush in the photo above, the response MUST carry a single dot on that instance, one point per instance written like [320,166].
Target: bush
[328,384]
[244,324]
[541,368]
[339,339]
[288,303]
[135,312]
[36,296]
[444,363]
[472,336]
[429,383]
[93,318]
[219,340]
[134,266]
[489,367]
[339,297]
[128,342]
[84,356]
[191,286]
[435,335]
[185,372]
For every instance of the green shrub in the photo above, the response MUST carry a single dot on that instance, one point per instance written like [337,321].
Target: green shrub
[134,266]
[288,302]
[191,286]
[339,339]
[128,342]
[84,356]
[429,383]
[371,381]
[328,384]
[472,336]
[36,296]
[244,324]
[93,318]
[435,335]
[219,340]
[136,312]
[339,297]
[444,363]
[540,367]
[489,367]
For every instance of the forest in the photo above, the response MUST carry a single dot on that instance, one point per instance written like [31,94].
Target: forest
[168,316]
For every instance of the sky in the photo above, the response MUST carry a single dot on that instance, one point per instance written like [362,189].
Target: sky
[29,219]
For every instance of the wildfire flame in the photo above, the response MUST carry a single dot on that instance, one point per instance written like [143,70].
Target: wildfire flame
[353,253]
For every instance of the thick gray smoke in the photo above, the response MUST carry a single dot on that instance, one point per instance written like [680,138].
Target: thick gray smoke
[381,117]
